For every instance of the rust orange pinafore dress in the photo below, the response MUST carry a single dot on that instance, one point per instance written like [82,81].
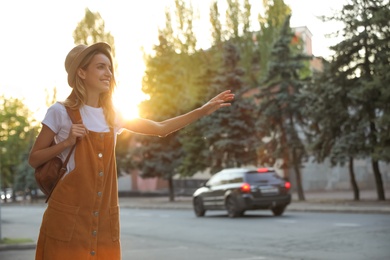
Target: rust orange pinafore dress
[81,221]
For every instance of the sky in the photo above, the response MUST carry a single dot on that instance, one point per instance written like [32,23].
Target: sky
[37,36]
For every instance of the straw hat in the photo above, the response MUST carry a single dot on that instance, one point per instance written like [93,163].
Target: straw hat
[76,56]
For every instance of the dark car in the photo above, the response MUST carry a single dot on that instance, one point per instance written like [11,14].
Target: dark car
[240,189]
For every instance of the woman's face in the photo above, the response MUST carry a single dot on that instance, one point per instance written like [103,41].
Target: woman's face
[97,75]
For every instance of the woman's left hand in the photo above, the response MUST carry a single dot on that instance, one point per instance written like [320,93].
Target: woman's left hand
[220,100]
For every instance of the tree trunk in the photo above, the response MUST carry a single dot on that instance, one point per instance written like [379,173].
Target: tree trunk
[171,189]
[374,162]
[301,195]
[378,180]
[356,195]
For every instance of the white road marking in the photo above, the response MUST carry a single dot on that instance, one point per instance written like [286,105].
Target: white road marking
[250,258]
[162,249]
[287,221]
[346,225]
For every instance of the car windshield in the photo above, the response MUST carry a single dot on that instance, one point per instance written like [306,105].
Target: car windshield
[253,177]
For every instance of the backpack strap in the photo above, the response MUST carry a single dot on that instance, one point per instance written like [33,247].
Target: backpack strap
[75,116]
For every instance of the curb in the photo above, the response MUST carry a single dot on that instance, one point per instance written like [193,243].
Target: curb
[22,246]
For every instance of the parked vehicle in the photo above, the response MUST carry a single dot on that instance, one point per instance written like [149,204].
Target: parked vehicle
[6,195]
[240,189]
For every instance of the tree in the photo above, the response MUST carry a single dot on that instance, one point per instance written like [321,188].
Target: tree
[24,179]
[196,152]
[237,35]
[185,39]
[270,24]
[16,137]
[171,81]
[230,133]
[332,130]
[279,116]
[254,47]
[233,19]
[161,156]
[239,32]
[182,41]
[92,29]
[216,25]
[360,65]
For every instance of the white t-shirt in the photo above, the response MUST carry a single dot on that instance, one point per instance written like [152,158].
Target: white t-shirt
[58,121]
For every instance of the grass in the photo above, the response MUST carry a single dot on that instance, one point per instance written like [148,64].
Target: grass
[8,241]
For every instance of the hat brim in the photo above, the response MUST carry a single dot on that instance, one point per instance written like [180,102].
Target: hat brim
[105,47]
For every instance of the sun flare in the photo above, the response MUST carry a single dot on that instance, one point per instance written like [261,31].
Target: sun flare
[127,101]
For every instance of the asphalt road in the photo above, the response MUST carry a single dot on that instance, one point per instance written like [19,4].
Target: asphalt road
[178,234]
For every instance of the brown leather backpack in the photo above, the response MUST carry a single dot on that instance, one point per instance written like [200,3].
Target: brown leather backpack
[48,174]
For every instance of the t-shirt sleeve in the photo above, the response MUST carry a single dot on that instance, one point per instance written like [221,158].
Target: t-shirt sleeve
[54,117]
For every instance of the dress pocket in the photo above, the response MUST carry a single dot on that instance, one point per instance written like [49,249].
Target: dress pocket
[114,222]
[60,220]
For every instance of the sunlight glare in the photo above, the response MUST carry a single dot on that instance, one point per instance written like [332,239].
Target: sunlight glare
[127,101]
[129,110]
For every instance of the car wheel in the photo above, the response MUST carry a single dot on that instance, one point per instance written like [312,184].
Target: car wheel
[278,211]
[198,207]
[231,207]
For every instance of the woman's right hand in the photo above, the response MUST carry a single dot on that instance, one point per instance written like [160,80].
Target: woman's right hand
[42,150]
[77,131]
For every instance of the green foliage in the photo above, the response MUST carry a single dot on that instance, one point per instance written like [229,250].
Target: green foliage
[13,241]
[24,179]
[333,131]
[125,163]
[229,133]
[92,29]
[271,23]
[280,121]
[185,38]
[160,156]
[352,117]
[179,78]
[280,116]
[16,137]
[181,38]
[232,19]
[216,25]
[356,82]
[196,154]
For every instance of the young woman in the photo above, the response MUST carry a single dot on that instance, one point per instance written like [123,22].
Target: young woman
[82,217]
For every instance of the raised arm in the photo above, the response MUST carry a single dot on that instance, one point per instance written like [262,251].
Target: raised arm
[164,128]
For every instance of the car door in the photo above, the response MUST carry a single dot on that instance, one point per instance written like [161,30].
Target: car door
[219,191]
[209,193]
